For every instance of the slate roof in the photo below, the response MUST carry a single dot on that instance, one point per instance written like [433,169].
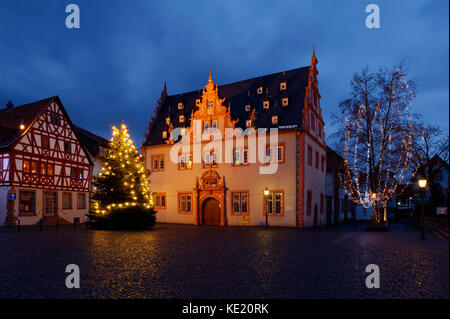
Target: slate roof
[11,118]
[238,95]
[91,141]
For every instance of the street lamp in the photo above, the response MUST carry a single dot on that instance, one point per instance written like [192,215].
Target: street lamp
[266,193]
[422,186]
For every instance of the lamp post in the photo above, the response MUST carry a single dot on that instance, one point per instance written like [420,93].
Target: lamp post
[422,187]
[266,193]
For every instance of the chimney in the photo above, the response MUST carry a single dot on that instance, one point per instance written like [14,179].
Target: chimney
[9,105]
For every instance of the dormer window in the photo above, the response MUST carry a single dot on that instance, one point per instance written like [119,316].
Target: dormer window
[197,102]
[180,105]
[168,120]
[247,108]
[181,118]
[282,86]
[248,123]
[164,134]
[259,91]
[266,104]
[285,101]
[275,119]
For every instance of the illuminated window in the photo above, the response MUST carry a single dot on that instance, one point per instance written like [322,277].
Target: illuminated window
[34,167]
[185,161]
[274,203]
[248,123]
[266,105]
[247,108]
[164,134]
[210,103]
[285,101]
[50,169]
[275,119]
[240,203]
[259,90]
[43,169]
[180,105]
[197,102]
[26,166]
[168,120]
[282,86]
[181,118]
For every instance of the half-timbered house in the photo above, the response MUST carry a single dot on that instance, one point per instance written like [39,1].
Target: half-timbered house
[45,169]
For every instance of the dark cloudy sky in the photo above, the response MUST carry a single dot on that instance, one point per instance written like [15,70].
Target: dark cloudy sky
[113,67]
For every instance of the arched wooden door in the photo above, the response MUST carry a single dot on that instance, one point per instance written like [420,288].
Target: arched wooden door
[211,212]
[315,215]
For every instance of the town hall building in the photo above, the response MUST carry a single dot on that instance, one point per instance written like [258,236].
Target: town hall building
[233,191]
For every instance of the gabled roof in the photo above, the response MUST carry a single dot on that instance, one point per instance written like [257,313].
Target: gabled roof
[11,118]
[91,141]
[238,95]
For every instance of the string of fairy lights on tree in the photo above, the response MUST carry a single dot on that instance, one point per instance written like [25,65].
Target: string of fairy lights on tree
[123,179]
[378,146]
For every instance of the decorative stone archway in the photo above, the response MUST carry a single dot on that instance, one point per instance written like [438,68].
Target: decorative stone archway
[210,186]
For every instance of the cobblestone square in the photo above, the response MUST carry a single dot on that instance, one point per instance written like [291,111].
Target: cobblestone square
[184,261]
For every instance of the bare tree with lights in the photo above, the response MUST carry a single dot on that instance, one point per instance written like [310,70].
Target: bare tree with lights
[375,131]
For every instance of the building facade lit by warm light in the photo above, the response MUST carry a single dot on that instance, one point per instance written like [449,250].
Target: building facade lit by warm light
[221,190]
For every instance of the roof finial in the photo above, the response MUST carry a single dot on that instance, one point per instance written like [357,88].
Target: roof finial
[210,76]
[314,60]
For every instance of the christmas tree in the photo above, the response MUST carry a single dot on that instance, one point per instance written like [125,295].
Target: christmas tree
[122,198]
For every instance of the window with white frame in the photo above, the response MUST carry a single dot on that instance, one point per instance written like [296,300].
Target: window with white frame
[184,203]
[206,127]
[274,152]
[247,108]
[274,203]
[185,161]
[157,162]
[240,157]
[240,203]
[210,159]
[159,200]
[214,125]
